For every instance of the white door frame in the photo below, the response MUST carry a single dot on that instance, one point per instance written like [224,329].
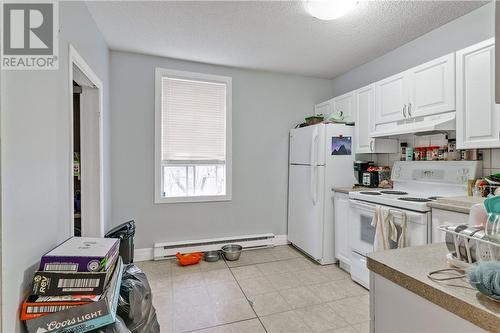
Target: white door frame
[75,59]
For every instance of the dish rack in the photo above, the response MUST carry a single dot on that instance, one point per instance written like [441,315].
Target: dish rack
[470,244]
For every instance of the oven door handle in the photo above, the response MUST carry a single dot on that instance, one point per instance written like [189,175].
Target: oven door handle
[395,212]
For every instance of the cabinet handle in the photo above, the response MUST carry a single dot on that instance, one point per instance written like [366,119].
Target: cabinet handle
[404,111]
[409,110]
[371,145]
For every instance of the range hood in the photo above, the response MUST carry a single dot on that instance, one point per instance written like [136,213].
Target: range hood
[424,126]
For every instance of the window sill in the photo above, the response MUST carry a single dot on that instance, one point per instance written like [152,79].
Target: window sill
[198,199]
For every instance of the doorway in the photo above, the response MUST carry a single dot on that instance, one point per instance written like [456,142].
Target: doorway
[86,183]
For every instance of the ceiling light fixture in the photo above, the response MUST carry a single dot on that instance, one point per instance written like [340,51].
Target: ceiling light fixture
[330,9]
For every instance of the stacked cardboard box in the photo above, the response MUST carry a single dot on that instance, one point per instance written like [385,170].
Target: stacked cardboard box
[76,287]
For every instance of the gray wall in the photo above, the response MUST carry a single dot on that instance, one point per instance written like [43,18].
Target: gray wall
[35,157]
[462,32]
[265,107]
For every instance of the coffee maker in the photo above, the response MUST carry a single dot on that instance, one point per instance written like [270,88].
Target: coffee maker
[361,167]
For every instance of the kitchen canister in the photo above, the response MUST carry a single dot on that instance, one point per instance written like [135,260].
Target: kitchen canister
[409,153]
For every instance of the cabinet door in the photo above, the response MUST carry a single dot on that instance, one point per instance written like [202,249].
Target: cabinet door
[477,114]
[443,217]
[324,108]
[391,97]
[342,238]
[364,106]
[344,104]
[364,109]
[432,87]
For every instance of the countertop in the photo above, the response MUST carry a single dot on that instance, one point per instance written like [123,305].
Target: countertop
[460,204]
[357,188]
[408,267]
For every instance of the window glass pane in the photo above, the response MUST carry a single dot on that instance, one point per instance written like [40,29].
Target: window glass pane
[210,180]
[194,180]
[174,181]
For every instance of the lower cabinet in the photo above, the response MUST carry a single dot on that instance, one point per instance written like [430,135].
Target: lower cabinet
[444,217]
[342,245]
[396,309]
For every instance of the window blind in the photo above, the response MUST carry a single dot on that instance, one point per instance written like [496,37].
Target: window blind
[193,124]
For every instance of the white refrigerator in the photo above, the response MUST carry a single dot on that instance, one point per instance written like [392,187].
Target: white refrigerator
[321,158]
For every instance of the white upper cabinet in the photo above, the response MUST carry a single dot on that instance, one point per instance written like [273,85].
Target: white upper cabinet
[391,99]
[344,104]
[364,104]
[432,87]
[424,90]
[364,110]
[477,114]
[324,108]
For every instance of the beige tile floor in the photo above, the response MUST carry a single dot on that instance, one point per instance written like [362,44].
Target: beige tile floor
[268,290]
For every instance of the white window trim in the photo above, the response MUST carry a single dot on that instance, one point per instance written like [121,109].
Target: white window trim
[159,73]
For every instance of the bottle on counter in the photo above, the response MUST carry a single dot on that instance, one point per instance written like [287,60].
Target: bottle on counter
[417,153]
[443,153]
[428,154]
[423,153]
[409,153]
[435,153]
[452,150]
[403,145]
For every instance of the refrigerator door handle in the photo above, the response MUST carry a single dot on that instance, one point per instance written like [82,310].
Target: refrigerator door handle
[314,168]
[314,143]
[314,184]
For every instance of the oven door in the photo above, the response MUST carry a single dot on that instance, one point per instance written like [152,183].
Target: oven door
[362,232]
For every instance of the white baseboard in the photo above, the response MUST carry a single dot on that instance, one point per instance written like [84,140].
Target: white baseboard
[281,240]
[143,254]
[148,253]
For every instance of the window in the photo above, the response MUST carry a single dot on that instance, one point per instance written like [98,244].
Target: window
[192,137]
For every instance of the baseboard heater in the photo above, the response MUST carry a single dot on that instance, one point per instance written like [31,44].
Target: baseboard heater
[169,249]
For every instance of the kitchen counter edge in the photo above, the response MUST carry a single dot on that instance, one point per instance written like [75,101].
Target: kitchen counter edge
[455,204]
[471,306]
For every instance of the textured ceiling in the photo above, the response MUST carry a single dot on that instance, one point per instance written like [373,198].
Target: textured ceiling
[275,36]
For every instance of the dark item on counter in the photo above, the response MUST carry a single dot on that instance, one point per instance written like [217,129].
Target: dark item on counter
[403,151]
[359,168]
[370,178]
[135,305]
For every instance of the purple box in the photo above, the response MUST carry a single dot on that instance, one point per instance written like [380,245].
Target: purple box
[81,254]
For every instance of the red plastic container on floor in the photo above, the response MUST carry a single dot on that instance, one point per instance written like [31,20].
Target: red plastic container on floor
[189,258]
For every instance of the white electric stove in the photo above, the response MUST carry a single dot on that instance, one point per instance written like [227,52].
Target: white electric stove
[415,184]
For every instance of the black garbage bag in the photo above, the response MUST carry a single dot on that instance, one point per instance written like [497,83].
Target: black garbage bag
[135,304]
[117,327]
